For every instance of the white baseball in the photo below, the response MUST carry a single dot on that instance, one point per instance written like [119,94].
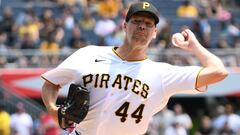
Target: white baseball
[177,37]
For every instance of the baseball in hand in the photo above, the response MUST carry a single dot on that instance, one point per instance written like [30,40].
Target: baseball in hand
[177,37]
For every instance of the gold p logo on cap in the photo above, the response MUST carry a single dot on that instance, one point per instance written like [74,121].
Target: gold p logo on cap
[146,5]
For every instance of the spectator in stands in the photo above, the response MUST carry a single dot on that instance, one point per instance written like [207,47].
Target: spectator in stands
[104,27]
[22,61]
[51,49]
[202,30]
[164,31]
[219,110]
[222,14]
[48,23]
[22,16]
[70,3]
[181,60]
[21,121]
[3,46]
[205,127]
[109,8]
[68,19]
[83,3]
[163,21]
[7,25]
[204,7]
[3,61]
[31,27]
[237,42]
[48,125]
[91,5]
[197,30]
[183,119]
[205,29]
[4,120]
[226,130]
[231,32]
[34,62]
[222,42]
[163,38]
[230,60]
[50,46]
[87,22]
[176,128]
[160,122]
[68,23]
[116,38]
[27,42]
[186,9]
[213,8]
[228,122]
[76,41]
[45,62]
[3,49]
[59,31]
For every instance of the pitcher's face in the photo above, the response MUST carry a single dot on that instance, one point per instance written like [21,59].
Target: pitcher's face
[140,29]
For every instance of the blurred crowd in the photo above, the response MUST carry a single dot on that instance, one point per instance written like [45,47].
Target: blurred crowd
[21,122]
[223,119]
[39,31]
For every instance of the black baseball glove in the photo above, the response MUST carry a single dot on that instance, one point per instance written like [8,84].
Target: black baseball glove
[75,108]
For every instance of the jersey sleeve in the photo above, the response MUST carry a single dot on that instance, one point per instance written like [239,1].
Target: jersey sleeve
[69,69]
[181,80]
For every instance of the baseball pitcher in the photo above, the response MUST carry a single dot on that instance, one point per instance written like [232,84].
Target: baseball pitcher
[116,90]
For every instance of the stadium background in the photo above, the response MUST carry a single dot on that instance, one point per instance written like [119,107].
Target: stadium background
[36,35]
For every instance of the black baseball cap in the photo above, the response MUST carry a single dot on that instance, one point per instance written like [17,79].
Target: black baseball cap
[143,7]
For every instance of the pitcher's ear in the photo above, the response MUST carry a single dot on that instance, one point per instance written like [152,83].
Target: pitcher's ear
[155,34]
[124,25]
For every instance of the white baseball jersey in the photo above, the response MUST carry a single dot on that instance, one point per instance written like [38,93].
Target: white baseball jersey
[124,95]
